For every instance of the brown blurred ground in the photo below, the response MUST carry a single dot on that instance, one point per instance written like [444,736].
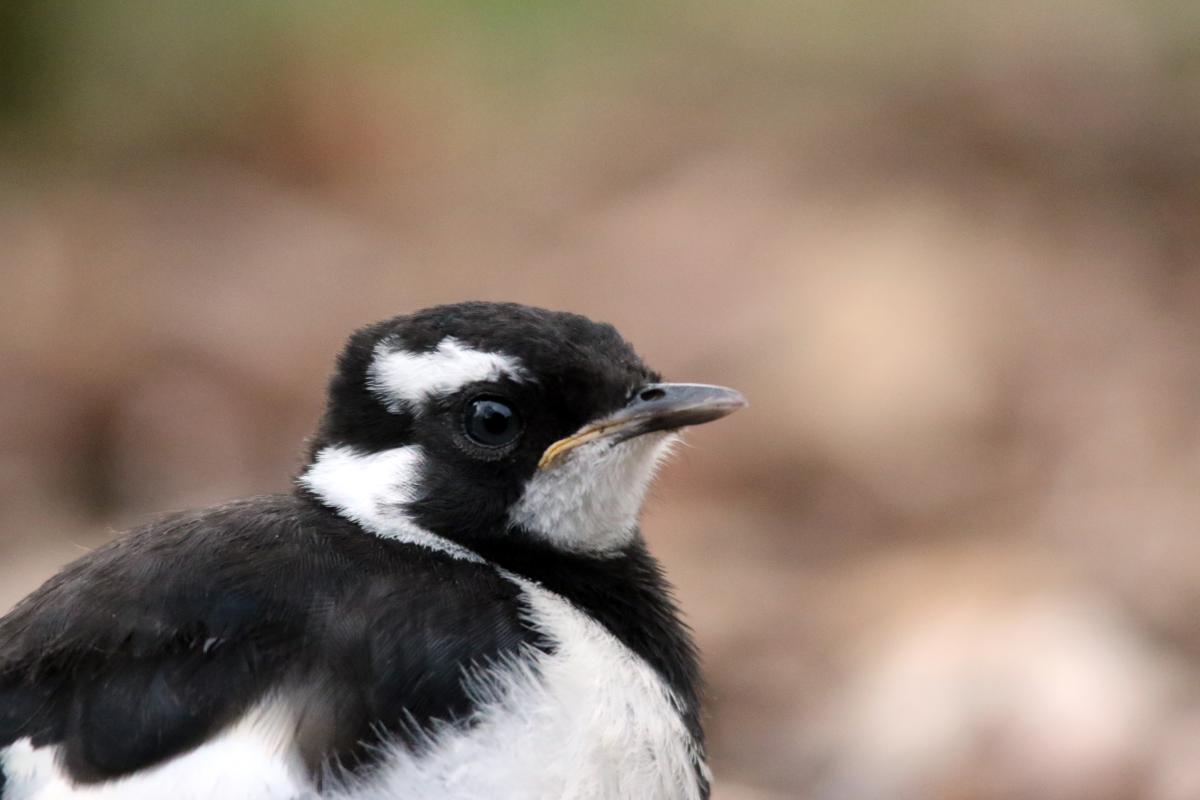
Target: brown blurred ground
[948,251]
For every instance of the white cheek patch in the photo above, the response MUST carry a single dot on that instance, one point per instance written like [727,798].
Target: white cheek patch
[403,380]
[589,500]
[374,490]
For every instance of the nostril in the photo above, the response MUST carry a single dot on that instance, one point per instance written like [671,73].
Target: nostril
[651,394]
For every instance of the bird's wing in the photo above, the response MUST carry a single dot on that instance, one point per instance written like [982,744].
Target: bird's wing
[155,644]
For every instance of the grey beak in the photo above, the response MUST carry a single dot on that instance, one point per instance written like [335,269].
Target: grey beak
[667,406]
[654,407]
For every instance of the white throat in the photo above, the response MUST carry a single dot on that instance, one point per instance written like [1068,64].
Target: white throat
[589,501]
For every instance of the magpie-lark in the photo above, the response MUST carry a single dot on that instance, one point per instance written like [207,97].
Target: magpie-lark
[455,602]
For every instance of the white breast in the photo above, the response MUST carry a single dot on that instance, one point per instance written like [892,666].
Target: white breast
[591,721]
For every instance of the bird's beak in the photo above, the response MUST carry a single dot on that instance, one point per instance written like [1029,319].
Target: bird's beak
[655,407]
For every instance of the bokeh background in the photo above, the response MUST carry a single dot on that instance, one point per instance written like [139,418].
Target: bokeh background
[949,250]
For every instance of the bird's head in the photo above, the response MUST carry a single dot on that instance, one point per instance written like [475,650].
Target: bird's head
[478,421]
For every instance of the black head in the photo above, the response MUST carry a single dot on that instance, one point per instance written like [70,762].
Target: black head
[484,419]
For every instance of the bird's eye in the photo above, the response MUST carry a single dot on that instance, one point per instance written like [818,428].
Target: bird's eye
[492,423]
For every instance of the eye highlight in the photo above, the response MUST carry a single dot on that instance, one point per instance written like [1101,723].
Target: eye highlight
[491,423]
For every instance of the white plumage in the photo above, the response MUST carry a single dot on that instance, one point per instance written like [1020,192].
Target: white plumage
[403,380]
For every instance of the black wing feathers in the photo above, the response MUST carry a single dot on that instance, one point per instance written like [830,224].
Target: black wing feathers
[169,703]
[149,646]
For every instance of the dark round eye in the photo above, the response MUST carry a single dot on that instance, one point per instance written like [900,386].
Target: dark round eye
[492,423]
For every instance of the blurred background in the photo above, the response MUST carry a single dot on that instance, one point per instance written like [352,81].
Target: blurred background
[949,251]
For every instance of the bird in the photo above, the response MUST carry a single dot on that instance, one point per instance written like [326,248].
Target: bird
[454,601]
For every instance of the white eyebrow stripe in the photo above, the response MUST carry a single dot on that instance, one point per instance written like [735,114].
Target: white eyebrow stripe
[402,380]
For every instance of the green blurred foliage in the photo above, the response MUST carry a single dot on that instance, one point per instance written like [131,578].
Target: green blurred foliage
[111,73]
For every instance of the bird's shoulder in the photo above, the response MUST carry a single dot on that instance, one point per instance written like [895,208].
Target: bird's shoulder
[275,560]
[156,642]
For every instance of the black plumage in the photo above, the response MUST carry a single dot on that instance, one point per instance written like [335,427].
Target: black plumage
[151,644]
[155,643]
